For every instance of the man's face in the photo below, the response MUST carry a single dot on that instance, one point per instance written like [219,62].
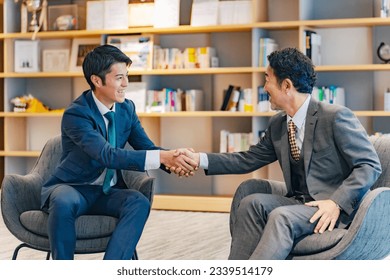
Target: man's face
[114,88]
[274,90]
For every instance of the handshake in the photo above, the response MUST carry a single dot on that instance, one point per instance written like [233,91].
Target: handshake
[182,162]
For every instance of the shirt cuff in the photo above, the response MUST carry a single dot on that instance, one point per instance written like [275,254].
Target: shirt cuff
[203,161]
[152,160]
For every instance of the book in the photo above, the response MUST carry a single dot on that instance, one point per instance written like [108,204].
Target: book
[227,98]
[189,58]
[116,14]
[233,101]
[204,57]
[139,12]
[166,13]
[316,48]
[108,14]
[204,12]
[307,34]
[194,100]
[266,47]
[136,92]
[312,46]
[235,12]
[223,143]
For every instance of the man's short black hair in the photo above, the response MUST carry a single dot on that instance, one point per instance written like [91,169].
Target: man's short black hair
[290,63]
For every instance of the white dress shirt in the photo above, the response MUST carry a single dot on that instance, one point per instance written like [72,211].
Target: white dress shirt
[152,160]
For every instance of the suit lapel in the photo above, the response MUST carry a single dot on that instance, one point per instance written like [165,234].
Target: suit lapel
[310,125]
[285,153]
[98,116]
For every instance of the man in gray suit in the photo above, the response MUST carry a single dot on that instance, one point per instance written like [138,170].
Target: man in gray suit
[327,160]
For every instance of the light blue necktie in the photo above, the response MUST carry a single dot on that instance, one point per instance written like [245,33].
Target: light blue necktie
[112,140]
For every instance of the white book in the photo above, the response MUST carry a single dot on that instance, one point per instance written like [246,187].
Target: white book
[166,13]
[116,14]
[108,14]
[139,13]
[237,142]
[230,143]
[136,92]
[204,12]
[223,146]
[95,18]
[316,48]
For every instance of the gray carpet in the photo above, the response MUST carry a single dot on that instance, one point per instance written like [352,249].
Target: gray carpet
[168,235]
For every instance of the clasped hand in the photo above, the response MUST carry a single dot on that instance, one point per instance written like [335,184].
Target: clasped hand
[180,161]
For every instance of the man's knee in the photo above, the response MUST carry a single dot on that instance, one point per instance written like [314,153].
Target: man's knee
[137,199]
[63,202]
[251,204]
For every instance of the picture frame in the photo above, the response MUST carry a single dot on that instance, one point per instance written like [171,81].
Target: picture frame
[26,56]
[80,48]
[55,60]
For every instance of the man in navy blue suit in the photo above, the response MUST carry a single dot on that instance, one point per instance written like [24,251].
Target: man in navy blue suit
[88,179]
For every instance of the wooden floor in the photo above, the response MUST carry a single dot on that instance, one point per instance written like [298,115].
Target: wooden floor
[168,235]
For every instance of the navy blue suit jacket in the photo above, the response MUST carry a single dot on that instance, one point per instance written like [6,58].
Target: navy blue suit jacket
[86,152]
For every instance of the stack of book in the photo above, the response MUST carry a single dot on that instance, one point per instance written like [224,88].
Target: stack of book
[174,100]
[173,58]
[234,142]
[237,99]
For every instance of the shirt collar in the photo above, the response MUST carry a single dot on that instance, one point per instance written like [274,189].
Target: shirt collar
[300,116]
[101,107]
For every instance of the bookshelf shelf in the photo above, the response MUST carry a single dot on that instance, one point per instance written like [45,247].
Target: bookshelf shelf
[355,67]
[31,154]
[201,71]
[195,71]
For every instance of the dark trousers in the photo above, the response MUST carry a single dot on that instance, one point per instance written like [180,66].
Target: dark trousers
[67,203]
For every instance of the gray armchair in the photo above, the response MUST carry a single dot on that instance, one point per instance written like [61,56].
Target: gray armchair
[368,236]
[20,205]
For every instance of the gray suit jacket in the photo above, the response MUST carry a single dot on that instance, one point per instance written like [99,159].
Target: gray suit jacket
[340,162]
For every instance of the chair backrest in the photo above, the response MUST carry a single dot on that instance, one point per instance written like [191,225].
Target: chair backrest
[382,147]
[49,159]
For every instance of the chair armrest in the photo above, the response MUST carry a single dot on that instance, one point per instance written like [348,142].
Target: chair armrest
[19,194]
[368,235]
[139,181]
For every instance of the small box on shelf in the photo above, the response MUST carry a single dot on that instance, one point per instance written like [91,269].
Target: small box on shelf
[63,17]
[26,56]
[55,60]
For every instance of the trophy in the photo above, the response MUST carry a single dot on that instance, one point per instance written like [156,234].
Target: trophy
[34,7]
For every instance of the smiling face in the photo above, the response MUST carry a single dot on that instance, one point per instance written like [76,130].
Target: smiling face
[113,89]
[274,90]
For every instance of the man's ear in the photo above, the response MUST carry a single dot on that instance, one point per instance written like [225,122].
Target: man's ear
[96,80]
[287,86]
